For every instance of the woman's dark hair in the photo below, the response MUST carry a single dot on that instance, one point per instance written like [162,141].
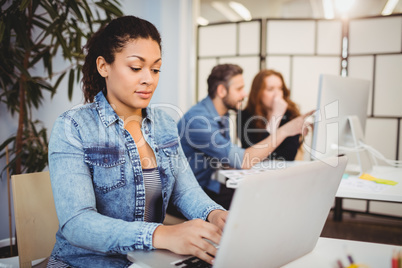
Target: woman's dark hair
[255,106]
[221,74]
[106,42]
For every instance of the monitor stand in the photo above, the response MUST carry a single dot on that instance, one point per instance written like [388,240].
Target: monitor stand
[359,162]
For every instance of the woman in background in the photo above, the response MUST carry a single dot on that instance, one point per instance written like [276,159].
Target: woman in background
[269,107]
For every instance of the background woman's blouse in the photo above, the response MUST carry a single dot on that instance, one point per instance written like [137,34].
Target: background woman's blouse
[249,135]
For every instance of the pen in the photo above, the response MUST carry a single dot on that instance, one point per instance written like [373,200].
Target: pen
[340,265]
[350,259]
[395,259]
[352,262]
[400,258]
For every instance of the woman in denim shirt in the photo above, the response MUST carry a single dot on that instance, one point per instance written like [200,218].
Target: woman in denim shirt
[115,163]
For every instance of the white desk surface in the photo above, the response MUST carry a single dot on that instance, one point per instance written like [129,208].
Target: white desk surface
[328,251]
[388,192]
[358,191]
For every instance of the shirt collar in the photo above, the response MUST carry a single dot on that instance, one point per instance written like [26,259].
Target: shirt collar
[108,115]
[211,107]
[207,102]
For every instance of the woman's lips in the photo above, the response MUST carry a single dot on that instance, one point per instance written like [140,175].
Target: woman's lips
[144,94]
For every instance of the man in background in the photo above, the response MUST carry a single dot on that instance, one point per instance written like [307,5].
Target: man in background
[205,136]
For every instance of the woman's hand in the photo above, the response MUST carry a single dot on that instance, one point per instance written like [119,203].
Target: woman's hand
[299,125]
[188,238]
[218,217]
[275,114]
[279,106]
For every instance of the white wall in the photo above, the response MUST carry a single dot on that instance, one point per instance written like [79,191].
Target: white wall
[175,21]
[302,49]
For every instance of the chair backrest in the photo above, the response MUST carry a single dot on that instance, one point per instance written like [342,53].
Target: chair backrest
[35,216]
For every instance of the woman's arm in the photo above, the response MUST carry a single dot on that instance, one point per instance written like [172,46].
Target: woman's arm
[261,150]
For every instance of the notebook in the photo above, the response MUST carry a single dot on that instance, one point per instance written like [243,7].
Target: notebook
[275,217]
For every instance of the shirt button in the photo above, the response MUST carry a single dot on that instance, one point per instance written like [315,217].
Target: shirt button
[156,149]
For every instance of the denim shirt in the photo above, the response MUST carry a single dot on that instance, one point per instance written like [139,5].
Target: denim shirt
[98,186]
[205,138]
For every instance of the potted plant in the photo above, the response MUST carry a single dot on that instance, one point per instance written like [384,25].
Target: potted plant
[32,34]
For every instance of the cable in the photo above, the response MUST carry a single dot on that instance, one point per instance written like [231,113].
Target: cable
[373,152]
[378,155]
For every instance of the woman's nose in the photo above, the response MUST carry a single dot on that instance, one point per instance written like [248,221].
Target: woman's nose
[147,77]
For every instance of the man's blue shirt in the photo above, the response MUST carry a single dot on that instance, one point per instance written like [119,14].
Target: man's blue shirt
[205,139]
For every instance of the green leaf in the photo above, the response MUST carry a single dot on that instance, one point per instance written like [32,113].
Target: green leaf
[39,35]
[24,4]
[71,84]
[2,30]
[76,9]
[110,8]
[87,9]
[79,69]
[7,142]
[51,11]
[43,54]
[22,69]
[56,85]
[63,43]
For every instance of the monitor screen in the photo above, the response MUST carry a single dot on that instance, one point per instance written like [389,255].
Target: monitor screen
[341,100]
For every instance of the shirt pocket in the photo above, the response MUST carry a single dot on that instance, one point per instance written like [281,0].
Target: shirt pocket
[171,156]
[107,167]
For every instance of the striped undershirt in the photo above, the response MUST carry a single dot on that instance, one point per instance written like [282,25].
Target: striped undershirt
[153,195]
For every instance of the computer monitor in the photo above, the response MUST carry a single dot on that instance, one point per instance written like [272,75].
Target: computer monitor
[340,120]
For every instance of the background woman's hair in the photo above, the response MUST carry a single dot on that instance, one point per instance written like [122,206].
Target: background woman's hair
[254,104]
[108,41]
[221,74]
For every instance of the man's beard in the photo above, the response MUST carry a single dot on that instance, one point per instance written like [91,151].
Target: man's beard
[231,105]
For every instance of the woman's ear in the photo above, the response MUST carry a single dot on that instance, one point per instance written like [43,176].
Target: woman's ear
[221,91]
[101,65]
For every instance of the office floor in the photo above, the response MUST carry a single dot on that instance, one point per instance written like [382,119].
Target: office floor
[364,228]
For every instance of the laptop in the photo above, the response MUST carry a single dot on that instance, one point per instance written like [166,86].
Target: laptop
[275,217]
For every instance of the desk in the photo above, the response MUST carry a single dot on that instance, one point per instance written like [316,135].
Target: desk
[345,190]
[388,194]
[328,251]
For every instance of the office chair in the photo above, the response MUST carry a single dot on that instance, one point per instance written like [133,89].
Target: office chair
[35,216]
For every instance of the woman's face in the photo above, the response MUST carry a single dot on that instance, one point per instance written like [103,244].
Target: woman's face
[273,89]
[132,78]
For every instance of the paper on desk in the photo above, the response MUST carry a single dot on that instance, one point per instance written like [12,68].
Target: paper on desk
[235,175]
[368,177]
[355,183]
[239,173]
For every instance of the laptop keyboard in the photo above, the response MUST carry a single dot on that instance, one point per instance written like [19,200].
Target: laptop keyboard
[193,262]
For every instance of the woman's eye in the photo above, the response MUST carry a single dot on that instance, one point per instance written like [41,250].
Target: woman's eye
[156,71]
[135,69]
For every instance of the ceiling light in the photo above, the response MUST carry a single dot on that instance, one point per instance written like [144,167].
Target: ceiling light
[344,5]
[226,11]
[202,21]
[241,10]
[389,7]
[328,9]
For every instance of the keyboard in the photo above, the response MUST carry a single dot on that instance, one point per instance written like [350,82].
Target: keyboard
[192,262]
